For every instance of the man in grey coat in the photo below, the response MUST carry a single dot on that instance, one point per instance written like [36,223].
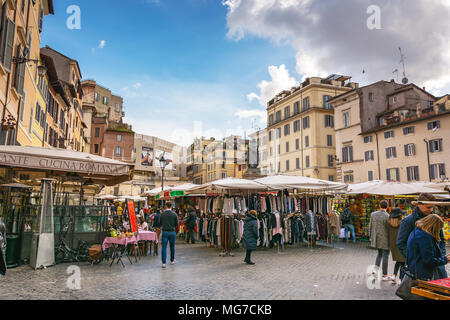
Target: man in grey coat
[379,236]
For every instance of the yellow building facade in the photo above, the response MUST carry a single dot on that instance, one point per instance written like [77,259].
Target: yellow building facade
[301,139]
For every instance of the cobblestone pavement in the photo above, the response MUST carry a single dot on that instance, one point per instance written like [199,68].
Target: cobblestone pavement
[298,273]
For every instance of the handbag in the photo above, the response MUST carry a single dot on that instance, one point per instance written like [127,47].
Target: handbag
[409,281]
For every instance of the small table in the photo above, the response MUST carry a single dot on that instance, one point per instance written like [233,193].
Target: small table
[147,236]
[119,246]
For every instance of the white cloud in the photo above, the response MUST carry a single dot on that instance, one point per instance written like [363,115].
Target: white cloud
[102,44]
[137,85]
[332,36]
[245,114]
[280,80]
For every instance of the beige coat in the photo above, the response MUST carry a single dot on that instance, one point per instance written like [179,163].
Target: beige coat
[378,230]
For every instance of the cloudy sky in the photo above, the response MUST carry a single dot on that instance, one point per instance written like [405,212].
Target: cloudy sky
[187,68]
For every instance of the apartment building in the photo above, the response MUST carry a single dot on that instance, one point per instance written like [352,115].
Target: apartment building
[301,128]
[390,131]
[20,39]
[68,84]
[258,151]
[196,166]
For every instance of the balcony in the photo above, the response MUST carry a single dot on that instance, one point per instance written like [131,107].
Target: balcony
[117,126]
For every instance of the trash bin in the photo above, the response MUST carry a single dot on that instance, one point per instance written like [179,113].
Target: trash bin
[12,251]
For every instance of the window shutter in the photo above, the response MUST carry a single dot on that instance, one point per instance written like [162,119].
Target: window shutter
[351,153]
[397,173]
[406,150]
[388,174]
[408,173]
[432,172]
[416,172]
[7,42]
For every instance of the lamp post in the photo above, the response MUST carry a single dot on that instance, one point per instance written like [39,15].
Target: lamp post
[163,164]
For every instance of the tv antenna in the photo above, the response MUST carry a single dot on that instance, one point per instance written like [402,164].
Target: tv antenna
[402,61]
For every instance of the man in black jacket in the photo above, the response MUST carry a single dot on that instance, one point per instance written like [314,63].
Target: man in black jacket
[409,223]
[169,223]
[191,223]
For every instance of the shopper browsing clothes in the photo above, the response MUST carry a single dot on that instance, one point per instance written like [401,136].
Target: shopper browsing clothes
[169,222]
[395,218]
[2,249]
[250,235]
[424,255]
[379,236]
[347,221]
[191,223]
[409,223]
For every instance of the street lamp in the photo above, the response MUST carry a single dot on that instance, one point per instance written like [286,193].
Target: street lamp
[163,163]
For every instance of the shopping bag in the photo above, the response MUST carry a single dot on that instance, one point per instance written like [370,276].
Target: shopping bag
[404,290]
[342,235]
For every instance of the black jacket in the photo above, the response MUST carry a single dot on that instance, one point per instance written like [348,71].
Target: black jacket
[191,221]
[250,235]
[168,221]
[2,249]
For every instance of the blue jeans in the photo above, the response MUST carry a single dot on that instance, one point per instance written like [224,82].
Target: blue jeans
[168,237]
[350,227]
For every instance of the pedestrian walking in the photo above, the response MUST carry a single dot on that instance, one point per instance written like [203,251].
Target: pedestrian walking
[169,222]
[409,223]
[250,235]
[2,249]
[379,236]
[191,223]
[157,228]
[424,253]
[395,218]
[347,221]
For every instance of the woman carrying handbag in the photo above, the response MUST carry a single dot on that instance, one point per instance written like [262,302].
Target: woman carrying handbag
[424,256]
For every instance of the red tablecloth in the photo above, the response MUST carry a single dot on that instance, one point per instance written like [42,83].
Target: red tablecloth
[442,282]
[142,236]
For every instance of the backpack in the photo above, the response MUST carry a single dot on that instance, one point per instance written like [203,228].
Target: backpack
[346,216]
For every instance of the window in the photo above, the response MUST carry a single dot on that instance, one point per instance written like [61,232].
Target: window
[412,173]
[271,151]
[7,35]
[371,96]
[297,163]
[296,125]
[307,161]
[388,134]
[38,112]
[370,175]
[116,191]
[31,120]
[435,145]
[106,101]
[279,167]
[287,129]
[19,72]
[279,149]
[331,178]
[391,152]
[394,100]
[287,165]
[297,144]
[326,105]
[347,154]
[119,138]
[270,135]
[368,139]
[278,133]
[287,146]
[434,125]
[346,117]
[97,96]
[329,140]
[437,171]
[306,122]
[368,155]
[348,178]
[329,121]
[297,107]
[393,174]
[306,104]
[330,160]
[118,152]
[117,107]
[22,108]
[97,132]
[95,148]
[408,130]
[278,116]
[306,141]
[410,149]
[287,112]
[270,120]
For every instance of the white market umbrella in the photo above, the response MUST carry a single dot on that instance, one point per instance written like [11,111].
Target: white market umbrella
[230,184]
[280,182]
[107,197]
[389,188]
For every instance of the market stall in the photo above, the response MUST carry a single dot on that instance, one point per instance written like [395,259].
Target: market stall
[364,198]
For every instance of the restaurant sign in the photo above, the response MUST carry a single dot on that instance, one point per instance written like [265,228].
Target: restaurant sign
[67,165]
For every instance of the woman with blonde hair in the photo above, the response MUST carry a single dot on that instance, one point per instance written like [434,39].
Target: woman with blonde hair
[424,253]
